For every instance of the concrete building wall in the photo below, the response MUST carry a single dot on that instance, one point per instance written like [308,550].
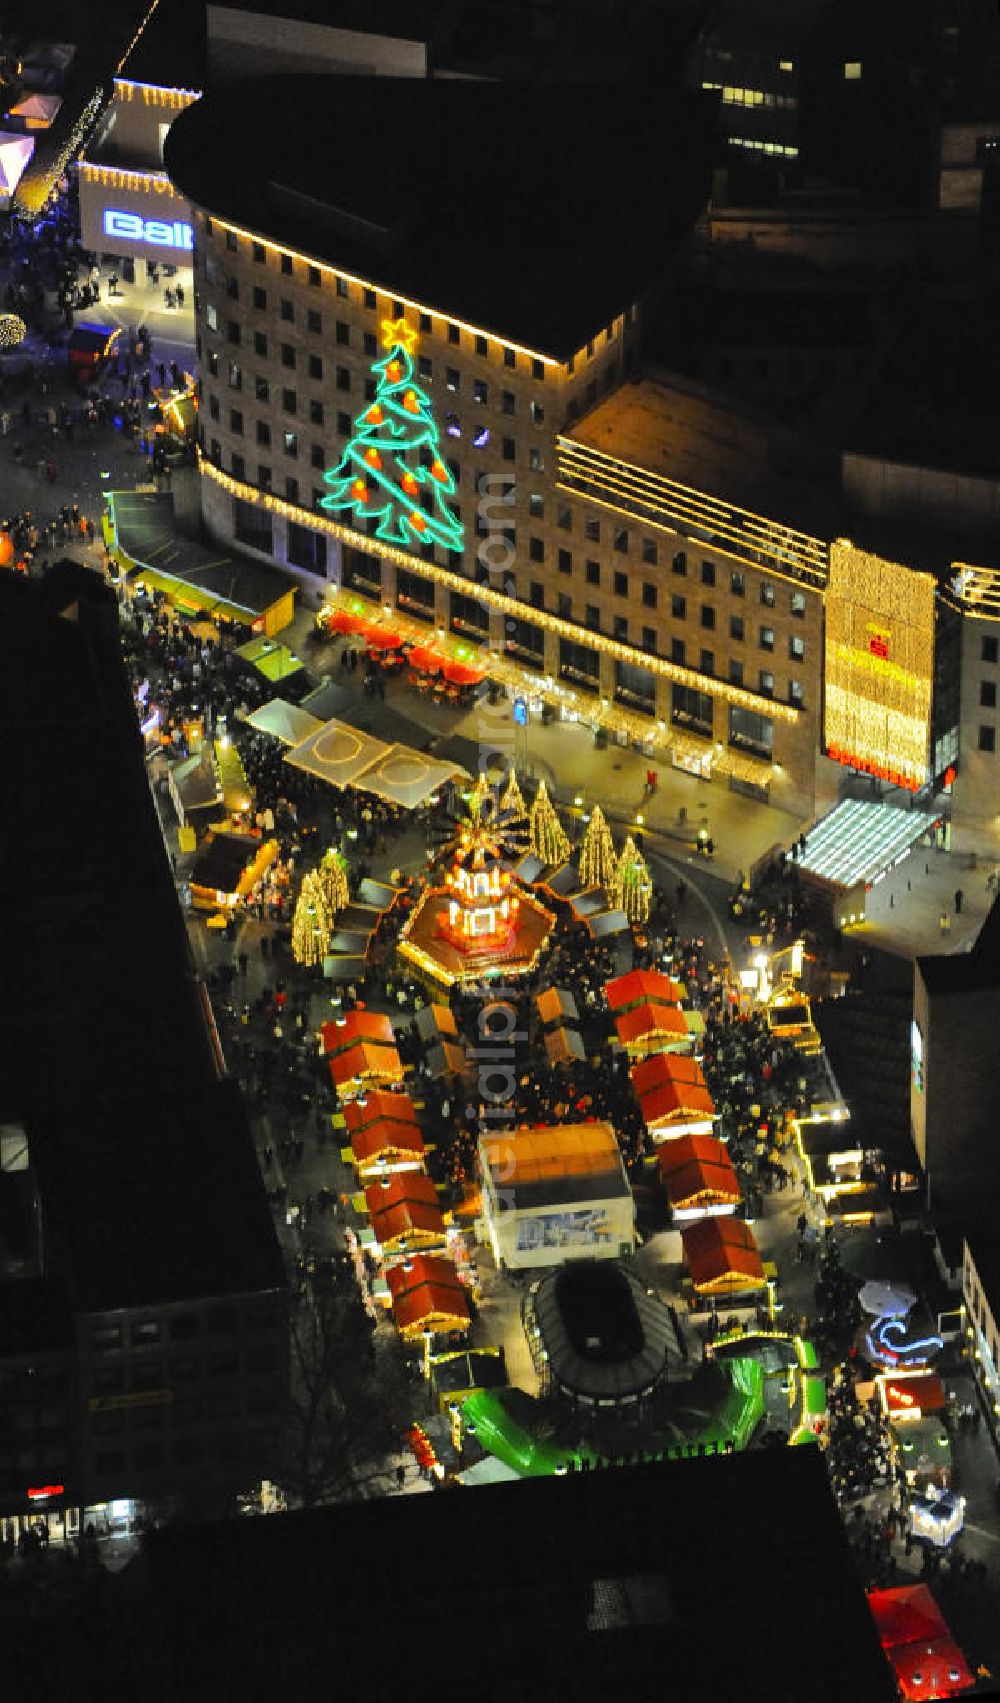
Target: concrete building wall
[243,43]
[894,491]
[136,213]
[139,118]
[953,1130]
[976,790]
[178,1396]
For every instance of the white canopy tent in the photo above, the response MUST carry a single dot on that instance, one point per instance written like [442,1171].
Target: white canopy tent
[337,753]
[284,721]
[346,756]
[407,777]
[15,152]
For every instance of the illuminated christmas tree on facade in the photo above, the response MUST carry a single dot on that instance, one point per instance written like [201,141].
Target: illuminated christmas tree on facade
[392,469]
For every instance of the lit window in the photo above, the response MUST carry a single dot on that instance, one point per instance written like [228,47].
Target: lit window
[786,65]
[852,71]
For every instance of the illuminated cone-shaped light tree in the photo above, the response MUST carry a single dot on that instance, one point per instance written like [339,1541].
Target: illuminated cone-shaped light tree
[512,805]
[632,887]
[481,802]
[597,853]
[549,840]
[312,924]
[332,874]
[392,470]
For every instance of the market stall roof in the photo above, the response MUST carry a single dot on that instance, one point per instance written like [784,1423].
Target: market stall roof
[445,1059]
[380,1064]
[698,1168]
[270,657]
[661,1070]
[663,1107]
[195,783]
[565,882]
[352,942]
[650,1025]
[641,987]
[36,111]
[233,588]
[563,1046]
[924,1444]
[593,901]
[359,919]
[931,1668]
[342,1032]
[284,721]
[385,1138]
[378,1106]
[237,793]
[548,1166]
[434,1021]
[557,1004]
[722,1256]
[918,1642]
[905,1392]
[377,894]
[905,1614]
[427,1295]
[404,1208]
[672,1099]
[343,967]
[223,861]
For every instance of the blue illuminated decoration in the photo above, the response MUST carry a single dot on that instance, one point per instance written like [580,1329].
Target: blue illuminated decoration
[481,438]
[521,712]
[888,1343]
[131,227]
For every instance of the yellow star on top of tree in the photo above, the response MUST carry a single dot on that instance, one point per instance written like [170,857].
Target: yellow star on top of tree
[396,331]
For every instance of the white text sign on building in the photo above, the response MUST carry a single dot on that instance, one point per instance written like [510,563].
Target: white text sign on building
[132,227]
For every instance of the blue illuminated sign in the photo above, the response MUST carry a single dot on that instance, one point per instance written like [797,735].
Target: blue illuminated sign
[521,712]
[134,228]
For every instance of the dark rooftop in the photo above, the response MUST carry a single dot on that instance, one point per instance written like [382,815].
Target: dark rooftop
[551,1608]
[973,971]
[108,1050]
[866,1037]
[598,1310]
[222,861]
[164,1205]
[539,221]
[935,403]
[170,50]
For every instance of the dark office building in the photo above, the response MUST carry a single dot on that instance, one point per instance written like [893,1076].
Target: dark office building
[143,1321]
